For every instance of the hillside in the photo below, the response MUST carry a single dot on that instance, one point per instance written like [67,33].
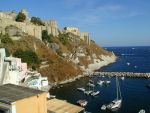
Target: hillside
[62,63]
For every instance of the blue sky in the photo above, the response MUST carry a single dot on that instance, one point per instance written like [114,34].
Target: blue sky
[110,22]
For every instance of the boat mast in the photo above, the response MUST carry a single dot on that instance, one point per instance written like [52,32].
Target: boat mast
[116,87]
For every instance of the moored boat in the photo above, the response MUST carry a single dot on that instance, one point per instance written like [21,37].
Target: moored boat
[94,93]
[82,103]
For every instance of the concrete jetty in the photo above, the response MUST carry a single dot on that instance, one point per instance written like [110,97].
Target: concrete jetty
[123,74]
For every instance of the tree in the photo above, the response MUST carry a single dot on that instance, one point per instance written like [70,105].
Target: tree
[20,17]
[63,38]
[37,21]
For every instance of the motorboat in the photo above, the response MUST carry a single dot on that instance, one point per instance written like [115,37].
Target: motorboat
[103,107]
[100,82]
[94,93]
[142,111]
[82,103]
[90,84]
[88,92]
[81,89]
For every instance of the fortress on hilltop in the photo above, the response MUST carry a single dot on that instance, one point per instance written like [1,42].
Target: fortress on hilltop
[8,24]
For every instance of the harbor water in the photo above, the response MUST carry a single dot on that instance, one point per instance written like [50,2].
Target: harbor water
[135,94]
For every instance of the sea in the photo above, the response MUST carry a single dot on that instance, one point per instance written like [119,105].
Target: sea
[135,94]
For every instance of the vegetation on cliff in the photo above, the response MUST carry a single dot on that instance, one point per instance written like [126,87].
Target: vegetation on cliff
[20,17]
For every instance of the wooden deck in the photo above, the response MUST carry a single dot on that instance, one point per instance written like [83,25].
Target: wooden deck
[61,106]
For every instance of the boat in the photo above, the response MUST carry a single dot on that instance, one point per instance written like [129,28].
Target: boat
[100,82]
[122,78]
[128,63]
[90,84]
[116,103]
[94,93]
[142,111]
[107,82]
[103,107]
[81,89]
[88,92]
[82,103]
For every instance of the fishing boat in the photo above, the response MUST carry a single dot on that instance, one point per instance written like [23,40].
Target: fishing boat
[142,111]
[116,103]
[94,93]
[82,103]
[128,63]
[81,89]
[107,82]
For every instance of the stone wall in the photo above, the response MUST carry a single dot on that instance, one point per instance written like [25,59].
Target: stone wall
[30,29]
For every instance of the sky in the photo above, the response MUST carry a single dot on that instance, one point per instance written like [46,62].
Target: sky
[109,22]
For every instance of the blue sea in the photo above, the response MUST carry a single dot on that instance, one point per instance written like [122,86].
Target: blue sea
[135,94]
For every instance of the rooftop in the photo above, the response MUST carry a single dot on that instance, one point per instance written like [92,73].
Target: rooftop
[61,106]
[10,93]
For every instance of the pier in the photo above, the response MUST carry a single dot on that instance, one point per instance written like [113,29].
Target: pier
[123,74]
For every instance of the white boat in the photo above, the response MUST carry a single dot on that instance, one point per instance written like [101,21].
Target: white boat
[81,89]
[88,92]
[90,84]
[116,104]
[142,111]
[107,82]
[82,103]
[100,82]
[122,78]
[103,107]
[94,93]
[128,63]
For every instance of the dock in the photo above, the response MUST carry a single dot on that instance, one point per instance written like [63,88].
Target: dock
[62,106]
[123,74]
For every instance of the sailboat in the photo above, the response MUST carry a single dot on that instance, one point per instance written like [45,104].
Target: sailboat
[116,103]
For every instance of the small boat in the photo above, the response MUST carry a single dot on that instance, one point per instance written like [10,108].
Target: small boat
[107,82]
[82,103]
[81,89]
[122,78]
[128,63]
[116,104]
[90,84]
[94,93]
[88,92]
[135,66]
[142,111]
[103,107]
[100,82]
[52,96]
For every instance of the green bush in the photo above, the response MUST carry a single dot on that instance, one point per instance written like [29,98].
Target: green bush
[37,21]
[27,56]
[6,39]
[46,37]
[63,38]
[20,17]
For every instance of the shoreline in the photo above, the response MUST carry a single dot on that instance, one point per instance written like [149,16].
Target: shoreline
[91,69]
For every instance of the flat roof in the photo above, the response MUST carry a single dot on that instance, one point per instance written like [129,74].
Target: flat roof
[62,106]
[10,93]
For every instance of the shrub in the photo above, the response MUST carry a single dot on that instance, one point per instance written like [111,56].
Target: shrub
[46,37]
[20,17]
[37,21]
[63,38]
[27,56]
[6,39]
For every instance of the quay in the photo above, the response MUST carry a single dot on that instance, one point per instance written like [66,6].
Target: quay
[123,74]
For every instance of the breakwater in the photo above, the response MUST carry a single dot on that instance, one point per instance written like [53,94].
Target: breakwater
[123,74]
